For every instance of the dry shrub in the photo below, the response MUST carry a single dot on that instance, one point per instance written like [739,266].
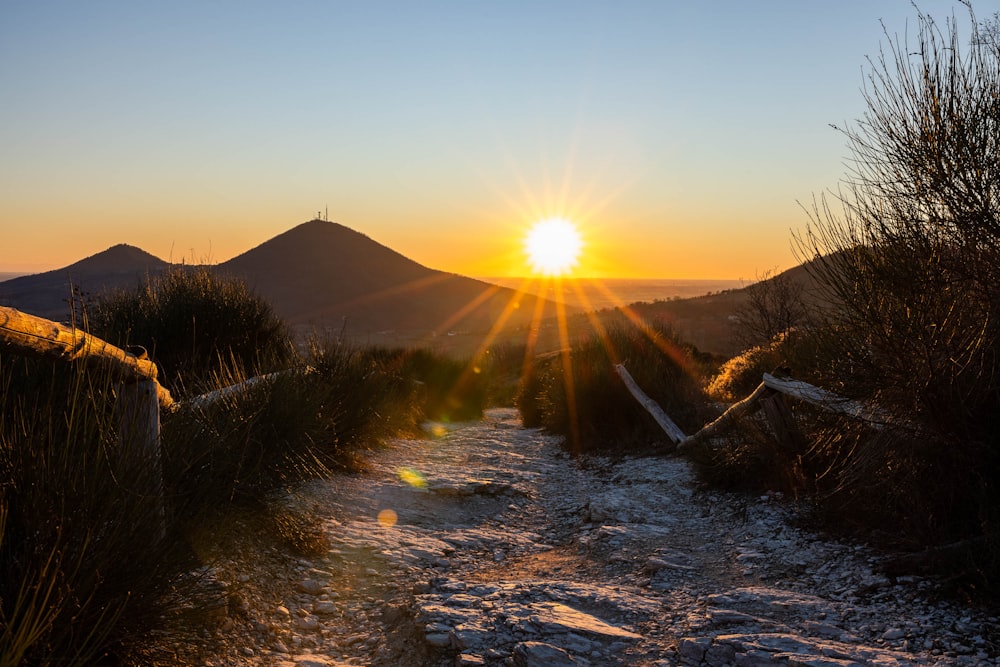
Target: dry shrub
[908,260]
[795,352]
[579,394]
[194,323]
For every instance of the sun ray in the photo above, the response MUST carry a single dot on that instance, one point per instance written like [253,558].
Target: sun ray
[599,329]
[567,364]
[477,301]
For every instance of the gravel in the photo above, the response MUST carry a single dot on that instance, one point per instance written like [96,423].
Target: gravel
[486,544]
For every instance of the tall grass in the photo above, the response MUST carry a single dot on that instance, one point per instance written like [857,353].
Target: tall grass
[86,575]
[82,563]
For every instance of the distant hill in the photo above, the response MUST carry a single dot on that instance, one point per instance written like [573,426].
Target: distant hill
[320,277]
[710,322]
[48,294]
[326,276]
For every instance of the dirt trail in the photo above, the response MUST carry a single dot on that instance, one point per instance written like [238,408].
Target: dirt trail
[485,544]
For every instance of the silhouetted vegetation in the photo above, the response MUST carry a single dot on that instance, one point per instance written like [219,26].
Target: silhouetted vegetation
[194,323]
[578,394]
[774,305]
[906,258]
[99,546]
[910,260]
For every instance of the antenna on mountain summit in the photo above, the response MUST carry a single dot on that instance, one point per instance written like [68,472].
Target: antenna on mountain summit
[326,213]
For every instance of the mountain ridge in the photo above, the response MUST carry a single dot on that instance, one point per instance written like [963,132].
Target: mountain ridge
[319,276]
[324,278]
[49,294]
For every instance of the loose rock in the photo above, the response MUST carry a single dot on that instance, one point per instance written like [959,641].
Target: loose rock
[503,551]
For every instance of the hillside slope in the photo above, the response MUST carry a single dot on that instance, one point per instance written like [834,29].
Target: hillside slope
[320,277]
[48,294]
[325,275]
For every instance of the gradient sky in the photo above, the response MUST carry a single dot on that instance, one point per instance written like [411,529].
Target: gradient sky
[680,135]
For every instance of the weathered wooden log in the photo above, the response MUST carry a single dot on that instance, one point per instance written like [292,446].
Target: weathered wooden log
[673,431]
[34,336]
[204,400]
[782,422]
[825,399]
[726,419]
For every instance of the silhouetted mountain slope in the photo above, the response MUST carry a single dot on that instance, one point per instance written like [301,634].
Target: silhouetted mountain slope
[327,275]
[48,294]
[323,275]
[711,321]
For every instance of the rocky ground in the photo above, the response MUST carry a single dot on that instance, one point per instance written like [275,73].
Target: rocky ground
[485,544]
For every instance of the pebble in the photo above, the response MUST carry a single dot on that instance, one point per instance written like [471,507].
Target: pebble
[310,586]
[497,562]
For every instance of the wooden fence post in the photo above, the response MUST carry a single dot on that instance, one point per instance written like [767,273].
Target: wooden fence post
[779,416]
[139,398]
[138,412]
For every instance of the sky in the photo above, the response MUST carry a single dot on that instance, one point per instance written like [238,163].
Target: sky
[682,137]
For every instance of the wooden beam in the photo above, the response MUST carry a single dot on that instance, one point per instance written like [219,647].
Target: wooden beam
[34,336]
[205,400]
[726,419]
[824,399]
[673,431]
[782,422]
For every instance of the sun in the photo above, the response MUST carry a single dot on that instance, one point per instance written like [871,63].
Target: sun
[553,246]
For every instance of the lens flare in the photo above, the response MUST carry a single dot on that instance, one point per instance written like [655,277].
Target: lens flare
[388,518]
[412,477]
[436,430]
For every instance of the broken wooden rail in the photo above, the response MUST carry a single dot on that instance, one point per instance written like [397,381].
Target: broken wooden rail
[140,397]
[768,393]
[672,430]
[33,336]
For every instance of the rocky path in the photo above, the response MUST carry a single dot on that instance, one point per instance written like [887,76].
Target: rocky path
[485,544]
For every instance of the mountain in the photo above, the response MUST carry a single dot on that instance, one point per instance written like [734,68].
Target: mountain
[48,294]
[324,275]
[320,277]
[325,278]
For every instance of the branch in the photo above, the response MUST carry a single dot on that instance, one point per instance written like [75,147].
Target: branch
[673,431]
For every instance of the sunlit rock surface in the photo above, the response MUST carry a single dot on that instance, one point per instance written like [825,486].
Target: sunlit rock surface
[485,544]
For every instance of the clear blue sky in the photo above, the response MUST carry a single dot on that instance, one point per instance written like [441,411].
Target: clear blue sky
[679,134]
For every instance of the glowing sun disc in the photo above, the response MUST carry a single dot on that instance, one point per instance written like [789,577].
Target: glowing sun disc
[553,246]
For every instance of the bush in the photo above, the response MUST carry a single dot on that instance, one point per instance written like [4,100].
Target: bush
[774,305]
[909,262]
[579,395]
[795,352]
[451,390]
[194,323]
[249,444]
[374,398]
